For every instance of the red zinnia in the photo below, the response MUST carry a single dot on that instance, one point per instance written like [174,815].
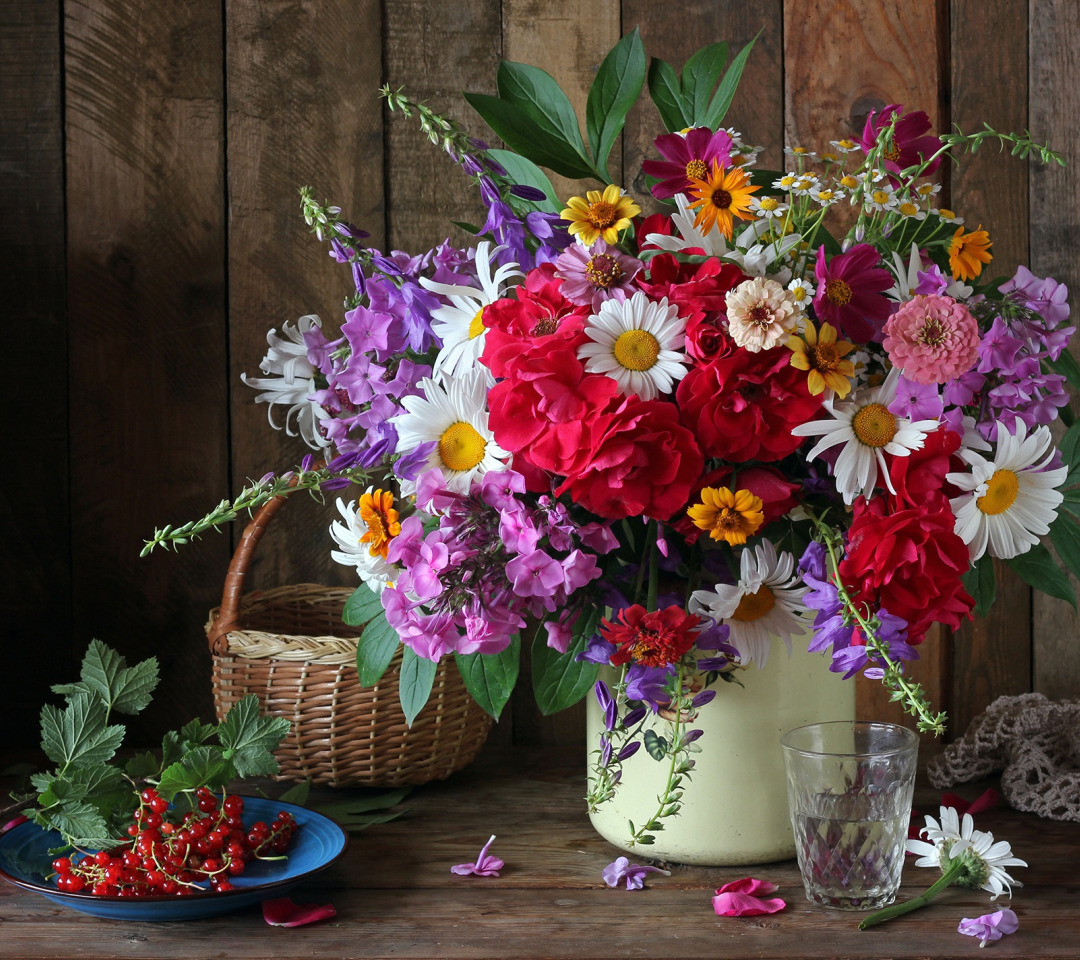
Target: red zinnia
[651,639]
[850,290]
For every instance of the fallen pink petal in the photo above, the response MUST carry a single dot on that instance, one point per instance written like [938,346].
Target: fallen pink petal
[990,926]
[485,866]
[740,898]
[284,913]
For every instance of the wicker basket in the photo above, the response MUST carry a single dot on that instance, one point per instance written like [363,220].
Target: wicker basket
[290,647]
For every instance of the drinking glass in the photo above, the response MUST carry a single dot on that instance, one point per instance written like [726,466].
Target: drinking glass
[849,796]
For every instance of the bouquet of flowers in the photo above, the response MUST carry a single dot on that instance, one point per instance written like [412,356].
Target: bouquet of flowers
[788,404]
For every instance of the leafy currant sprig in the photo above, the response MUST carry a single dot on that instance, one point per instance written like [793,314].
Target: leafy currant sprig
[1019,145]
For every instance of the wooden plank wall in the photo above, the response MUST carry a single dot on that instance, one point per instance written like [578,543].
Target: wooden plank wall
[151,154]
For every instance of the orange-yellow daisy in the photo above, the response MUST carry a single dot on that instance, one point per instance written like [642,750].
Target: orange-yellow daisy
[968,252]
[823,355]
[722,195]
[377,511]
[727,515]
[599,215]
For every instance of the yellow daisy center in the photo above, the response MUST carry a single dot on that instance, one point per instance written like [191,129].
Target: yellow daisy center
[874,425]
[602,214]
[787,181]
[908,209]
[477,326]
[849,181]
[769,203]
[461,447]
[838,292]
[637,349]
[753,606]
[1001,491]
[881,196]
[946,214]
[798,294]
[696,170]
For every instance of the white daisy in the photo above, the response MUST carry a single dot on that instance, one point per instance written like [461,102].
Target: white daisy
[1011,500]
[910,210]
[787,181]
[880,197]
[768,207]
[802,292]
[845,146]
[290,381]
[363,555]
[868,430]
[766,602]
[452,414]
[947,215]
[805,185]
[637,343]
[826,196]
[459,324]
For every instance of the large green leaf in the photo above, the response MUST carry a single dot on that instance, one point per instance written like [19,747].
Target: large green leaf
[362,606]
[667,95]
[375,649]
[536,91]
[78,733]
[699,77]
[981,582]
[201,766]
[1065,535]
[415,682]
[1037,568]
[1070,455]
[614,91]
[249,738]
[559,680]
[524,171]
[718,108]
[490,678]
[106,674]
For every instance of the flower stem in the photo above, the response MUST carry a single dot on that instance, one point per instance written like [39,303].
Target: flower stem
[951,874]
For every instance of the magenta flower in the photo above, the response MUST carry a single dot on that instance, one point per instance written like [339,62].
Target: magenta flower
[594,274]
[535,574]
[686,157]
[910,144]
[932,339]
[990,926]
[485,866]
[740,899]
[850,292]
[633,873]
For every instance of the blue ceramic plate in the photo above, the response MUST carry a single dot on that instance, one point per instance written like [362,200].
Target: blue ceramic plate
[25,861]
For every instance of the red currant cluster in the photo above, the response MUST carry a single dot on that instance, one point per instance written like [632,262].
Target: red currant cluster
[165,858]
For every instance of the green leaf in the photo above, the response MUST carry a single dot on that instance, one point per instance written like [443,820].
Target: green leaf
[981,582]
[1070,454]
[1037,568]
[1065,536]
[78,733]
[250,739]
[203,765]
[655,745]
[666,93]
[490,678]
[359,812]
[106,674]
[1067,366]
[171,748]
[81,824]
[536,91]
[614,91]
[195,732]
[560,681]
[298,793]
[524,132]
[699,77]
[59,792]
[375,649]
[414,682]
[718,108]
[362,606]
[523,171]
[142,765]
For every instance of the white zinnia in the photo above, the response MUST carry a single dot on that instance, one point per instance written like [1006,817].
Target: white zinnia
[765,603]
[373,568]
[453,414]
[638,343]
[290,382]
[459,323]
[1010,501]
[868,430]
[761,314]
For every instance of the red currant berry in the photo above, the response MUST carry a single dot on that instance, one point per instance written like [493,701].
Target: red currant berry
[62,865]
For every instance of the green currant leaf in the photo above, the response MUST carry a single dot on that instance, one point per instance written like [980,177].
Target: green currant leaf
[142,765]
[106,674]
[81,825]
[249,739]
[297,793]
[195,732]
[171,749]
[203,766]
[78,733]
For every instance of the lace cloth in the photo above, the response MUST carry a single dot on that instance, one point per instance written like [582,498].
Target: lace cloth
[1035,744]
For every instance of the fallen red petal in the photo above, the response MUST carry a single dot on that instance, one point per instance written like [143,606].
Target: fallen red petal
[744,905]
[987,800]
[748,885]
[284,913]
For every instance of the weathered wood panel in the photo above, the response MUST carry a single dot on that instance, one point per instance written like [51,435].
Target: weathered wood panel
[146,219]
[35,572]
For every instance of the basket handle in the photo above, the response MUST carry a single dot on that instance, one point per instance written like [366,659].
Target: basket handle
[229,614]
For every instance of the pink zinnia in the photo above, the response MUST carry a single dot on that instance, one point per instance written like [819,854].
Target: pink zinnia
[686,158]
[910,145]
[591,275]
[850,290]
[933,339]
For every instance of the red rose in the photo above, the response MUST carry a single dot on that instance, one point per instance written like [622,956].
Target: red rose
[695,287]
[922,471]
[909,562]
[642,462]
[743,406]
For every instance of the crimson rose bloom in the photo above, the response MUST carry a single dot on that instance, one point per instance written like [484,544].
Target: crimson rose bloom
[652,639]
[908,561]
[642,462]
[696,287]
[742,406]
[922,472]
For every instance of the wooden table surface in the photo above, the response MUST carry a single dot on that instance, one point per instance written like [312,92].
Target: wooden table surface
[396,898]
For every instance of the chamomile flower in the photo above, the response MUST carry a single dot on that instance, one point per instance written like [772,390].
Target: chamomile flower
[805,185]
[867,430]
[370,523]
[768,207]
[880,197]
[910,210]
[638,343]
[460,323]
[802,292]
[826,196]
[787,181]
[765,603]
[1010,501]
[943,213]
[928,190]
[451,413]
[800,153]
[845,146]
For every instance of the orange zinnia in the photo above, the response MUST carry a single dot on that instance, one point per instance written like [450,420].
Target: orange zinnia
[725,194]
[968,252]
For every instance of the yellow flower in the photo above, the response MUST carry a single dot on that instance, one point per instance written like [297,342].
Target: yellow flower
[968,252]
[600,215]
[378,513]
[823,355]
[722,195]
[726,515]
